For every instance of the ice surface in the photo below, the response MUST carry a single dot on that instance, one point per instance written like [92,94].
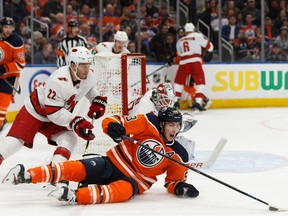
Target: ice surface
[254,160]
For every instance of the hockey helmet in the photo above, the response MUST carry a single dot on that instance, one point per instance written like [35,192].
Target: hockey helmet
[163,96]
[79,55]
[169,114]
[7,21]
[73,23]
[189,27]
[121,36]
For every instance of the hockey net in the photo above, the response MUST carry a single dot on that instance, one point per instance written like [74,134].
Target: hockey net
[122,78]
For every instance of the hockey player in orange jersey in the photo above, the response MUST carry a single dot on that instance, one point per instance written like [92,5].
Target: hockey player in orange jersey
[127,170]
[12,61]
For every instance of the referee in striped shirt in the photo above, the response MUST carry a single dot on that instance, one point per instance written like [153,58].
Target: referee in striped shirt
[72,39]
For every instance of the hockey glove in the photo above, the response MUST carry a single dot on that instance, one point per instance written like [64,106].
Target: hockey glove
[184,189]
[98,107]
[116,131]
[82,128]
[2,70]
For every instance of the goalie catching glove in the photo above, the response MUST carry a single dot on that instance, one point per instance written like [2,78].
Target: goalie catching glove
[98,107]
[184,189]
[82,128]
[116,131]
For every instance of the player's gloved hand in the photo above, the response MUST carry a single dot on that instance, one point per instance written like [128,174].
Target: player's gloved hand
[116,131]
[2,70]
[98,107]
[82,128]
[185,190]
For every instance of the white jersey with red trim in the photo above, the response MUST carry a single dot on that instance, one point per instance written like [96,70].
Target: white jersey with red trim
[142,105]
[57,99]
[189,47]
[108,47]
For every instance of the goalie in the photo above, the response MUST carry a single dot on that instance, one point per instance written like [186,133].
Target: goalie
[127,170]
[158,98]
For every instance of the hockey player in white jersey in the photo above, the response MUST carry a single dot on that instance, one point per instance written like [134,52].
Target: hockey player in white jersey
[156,99]
[117,47]
[189,49]
[49,108]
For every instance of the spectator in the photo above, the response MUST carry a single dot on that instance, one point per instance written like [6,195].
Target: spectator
[51,8]
[268,25]
[70,13]
[85,30]
[279,22]
[249,28]
[150,8]
[129,33]
[254,54]
[230,31]
[255,12]
[109,16]
[23,30]
[230,6]
[27,51]
[45,55]
[131,21]
[167,51]
[38,39]
[282,39]
[241,46]
[157,41]
[16,9]
[275,54]
[131,46]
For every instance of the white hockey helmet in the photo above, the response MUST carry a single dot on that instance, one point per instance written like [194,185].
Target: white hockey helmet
[121,36]
[189,27]
[78,55]
[163,96]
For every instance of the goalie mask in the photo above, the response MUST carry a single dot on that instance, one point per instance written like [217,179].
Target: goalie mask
[163,96]
[78,55]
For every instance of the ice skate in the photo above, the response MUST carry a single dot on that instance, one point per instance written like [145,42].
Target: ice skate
[64,194]
[17,175]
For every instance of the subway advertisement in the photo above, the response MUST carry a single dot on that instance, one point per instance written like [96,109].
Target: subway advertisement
[227,85]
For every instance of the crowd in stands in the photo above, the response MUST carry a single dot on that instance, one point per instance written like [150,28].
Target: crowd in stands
[241,25]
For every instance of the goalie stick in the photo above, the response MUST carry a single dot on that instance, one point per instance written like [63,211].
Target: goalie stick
[213,157]
[271,208]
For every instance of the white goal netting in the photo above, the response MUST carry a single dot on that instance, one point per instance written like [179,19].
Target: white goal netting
[122,79]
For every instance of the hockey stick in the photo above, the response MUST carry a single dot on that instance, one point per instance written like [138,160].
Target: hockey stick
[271,208]
[88,141]
[213,157]
[149,75]
[11,86]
